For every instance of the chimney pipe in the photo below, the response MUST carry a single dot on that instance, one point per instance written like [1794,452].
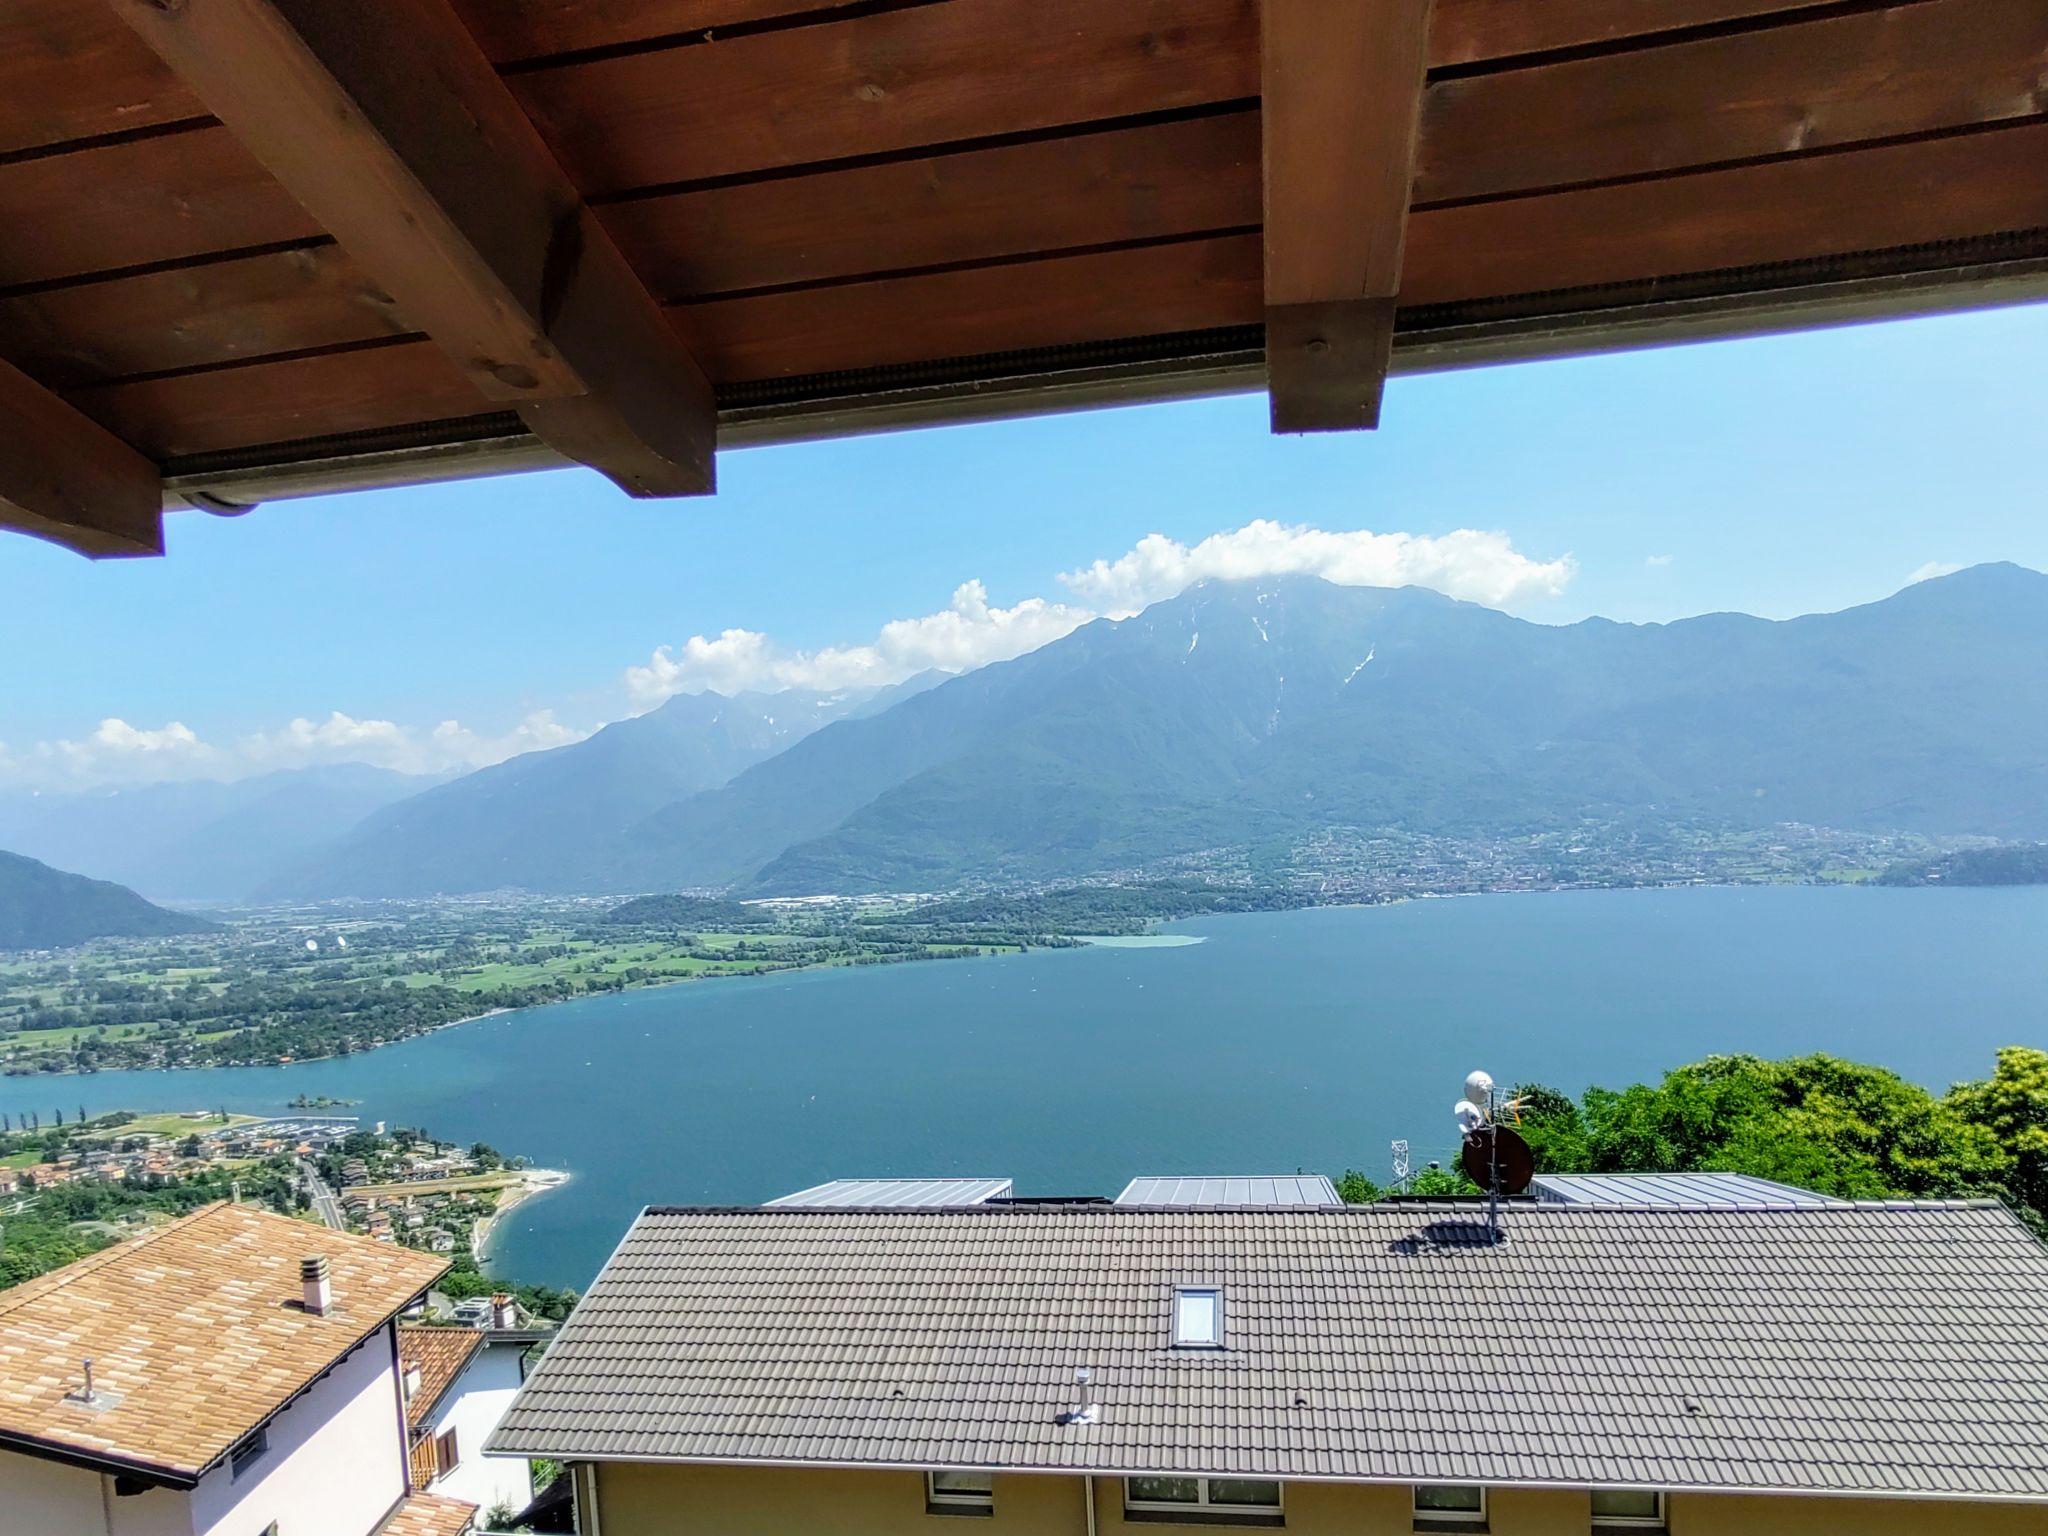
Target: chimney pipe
[87,1393]
[318,1292]
[1084,1388]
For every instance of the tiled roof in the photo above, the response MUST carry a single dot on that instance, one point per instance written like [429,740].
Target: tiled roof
[1898,1348]
[195,1332]
[440,1353]
[428,1514]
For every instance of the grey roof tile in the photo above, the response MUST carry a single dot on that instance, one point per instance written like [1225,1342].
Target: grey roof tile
[1897,1348]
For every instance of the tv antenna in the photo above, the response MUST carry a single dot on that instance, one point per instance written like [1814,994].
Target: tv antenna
[1494,1157]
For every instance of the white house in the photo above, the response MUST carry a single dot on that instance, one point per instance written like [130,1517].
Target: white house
[234,1373]
[459,1382]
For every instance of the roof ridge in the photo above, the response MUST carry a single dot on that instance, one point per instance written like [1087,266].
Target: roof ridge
[57,1279]
[1834,1206]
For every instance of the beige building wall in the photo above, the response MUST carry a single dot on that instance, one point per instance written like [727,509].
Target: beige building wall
[653,1499]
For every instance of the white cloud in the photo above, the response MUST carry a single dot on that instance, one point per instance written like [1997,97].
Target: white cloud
[119,753]
[969,632]
[1657,561]
[1932,569]
[450,745]
[1468,563]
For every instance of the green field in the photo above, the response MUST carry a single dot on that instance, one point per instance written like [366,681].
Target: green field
[253,992]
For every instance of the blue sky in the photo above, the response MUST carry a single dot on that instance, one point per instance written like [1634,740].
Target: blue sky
[1775,476]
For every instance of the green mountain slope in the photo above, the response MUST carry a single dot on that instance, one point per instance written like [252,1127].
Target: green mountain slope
[1242,711]
[45,908]
[531,821]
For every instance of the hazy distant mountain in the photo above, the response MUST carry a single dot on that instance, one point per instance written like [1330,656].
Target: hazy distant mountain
[530,822]
[1241,711]
[45,908]
[200,840]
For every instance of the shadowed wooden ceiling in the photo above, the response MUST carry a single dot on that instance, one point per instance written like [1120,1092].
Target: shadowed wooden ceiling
[258,247]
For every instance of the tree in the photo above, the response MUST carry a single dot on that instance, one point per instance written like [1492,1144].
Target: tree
[1356,1189]
[1550,1123]
[2012,1105]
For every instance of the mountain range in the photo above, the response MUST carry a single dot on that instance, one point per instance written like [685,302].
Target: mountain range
[531,822]
[200,840]
[1246,711]
[1252,713]
[45,908]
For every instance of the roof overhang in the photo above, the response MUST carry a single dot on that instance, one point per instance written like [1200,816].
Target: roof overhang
[452,237]
[502,1445]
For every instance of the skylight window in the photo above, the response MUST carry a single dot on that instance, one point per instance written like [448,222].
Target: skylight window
[1198,1316]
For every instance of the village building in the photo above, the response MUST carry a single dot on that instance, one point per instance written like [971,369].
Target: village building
[459,1382]
[227,1374]
[1722,1367]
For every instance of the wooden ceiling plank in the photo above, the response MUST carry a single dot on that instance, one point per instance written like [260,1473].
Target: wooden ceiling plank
[1341,93]
[1467,32]
[886,82]
[387,122]
[67,479]
[511,30]
[284,399]
[1920,192]
[177,197]
[1095,296]
[201,317]
[1825,82]
[71,71]
[1141,183]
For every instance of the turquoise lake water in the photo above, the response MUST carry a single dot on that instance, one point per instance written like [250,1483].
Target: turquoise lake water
[1282,1041]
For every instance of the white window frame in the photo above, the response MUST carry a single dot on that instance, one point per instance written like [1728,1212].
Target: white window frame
[1204,1505]
[956,1501]
[1215,1293]
[1661,1520]
[1448,1519]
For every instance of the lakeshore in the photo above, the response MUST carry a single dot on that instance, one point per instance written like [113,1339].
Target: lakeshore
[530,1182]
[1286,1040]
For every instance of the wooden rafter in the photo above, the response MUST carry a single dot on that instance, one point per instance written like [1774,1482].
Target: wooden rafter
[65,478]
[1341,93]
[389,125]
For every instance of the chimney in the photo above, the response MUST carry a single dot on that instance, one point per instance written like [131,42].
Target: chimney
[412,1379]
[504,1311]
[1084,1410]
[319,1293]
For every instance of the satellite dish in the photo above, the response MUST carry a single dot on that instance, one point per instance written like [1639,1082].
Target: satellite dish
[1469,1116]
[1479,1087]
[313,944]
[1483,1147]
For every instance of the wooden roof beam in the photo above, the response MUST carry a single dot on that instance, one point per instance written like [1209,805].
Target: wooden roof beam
[389,125]
[1341,87]
[65,478]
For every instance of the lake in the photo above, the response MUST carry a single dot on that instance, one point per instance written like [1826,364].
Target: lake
[1281,1041]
